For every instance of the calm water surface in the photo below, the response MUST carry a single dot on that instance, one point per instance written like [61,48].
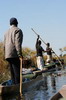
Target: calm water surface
[48,87]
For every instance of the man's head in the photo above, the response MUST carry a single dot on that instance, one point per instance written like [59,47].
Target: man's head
[48,44]
[13,21]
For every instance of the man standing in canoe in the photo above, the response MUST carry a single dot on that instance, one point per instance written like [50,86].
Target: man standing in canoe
[39,50]
[12,47]
[49,53]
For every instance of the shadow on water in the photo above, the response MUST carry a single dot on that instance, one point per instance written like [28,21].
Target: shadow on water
[50,84]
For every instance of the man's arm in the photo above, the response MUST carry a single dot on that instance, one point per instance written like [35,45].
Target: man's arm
[37,41]
[18,42]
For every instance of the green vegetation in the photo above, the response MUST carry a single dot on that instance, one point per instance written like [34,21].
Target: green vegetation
[4,70]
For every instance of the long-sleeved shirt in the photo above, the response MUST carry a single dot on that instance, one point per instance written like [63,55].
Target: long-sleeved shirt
[12,42]
[39,48]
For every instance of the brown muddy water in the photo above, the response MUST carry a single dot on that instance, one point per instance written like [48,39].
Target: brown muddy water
[50,84]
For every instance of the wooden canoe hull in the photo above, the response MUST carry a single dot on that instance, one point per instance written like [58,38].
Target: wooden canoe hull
[13,89]
[57,96]
[60,94]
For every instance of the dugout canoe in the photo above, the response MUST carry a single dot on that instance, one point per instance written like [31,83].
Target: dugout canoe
[14,89]
[32,81]
[60,94]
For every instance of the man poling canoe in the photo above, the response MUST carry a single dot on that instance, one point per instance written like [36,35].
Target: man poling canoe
[49,54]
[39,50]
[46,45]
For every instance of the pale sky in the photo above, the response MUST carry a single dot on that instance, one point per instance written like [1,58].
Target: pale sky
[46,17]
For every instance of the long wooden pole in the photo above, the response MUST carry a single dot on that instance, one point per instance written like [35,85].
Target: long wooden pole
[21,77]
[37,35]
[46,44]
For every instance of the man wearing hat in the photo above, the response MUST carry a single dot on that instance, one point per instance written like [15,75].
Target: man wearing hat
[12,47]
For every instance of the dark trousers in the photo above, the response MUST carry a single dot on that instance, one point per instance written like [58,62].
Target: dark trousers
[15,69]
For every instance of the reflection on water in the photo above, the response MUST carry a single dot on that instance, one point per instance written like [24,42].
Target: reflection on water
[43,91]
[53,81]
